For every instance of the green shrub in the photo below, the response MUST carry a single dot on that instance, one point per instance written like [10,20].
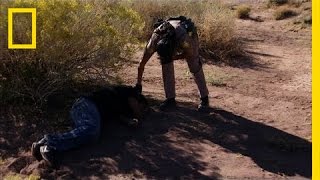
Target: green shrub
[283,13]
[243,11]
[76,40]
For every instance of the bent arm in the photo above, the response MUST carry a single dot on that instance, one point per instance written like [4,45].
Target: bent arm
[148,52]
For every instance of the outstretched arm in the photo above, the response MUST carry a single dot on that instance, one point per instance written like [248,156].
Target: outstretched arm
[148,52]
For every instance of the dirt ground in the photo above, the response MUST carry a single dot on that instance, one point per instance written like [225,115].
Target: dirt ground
[259,126]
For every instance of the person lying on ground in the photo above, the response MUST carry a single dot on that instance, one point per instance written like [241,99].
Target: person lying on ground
[89,114]
[172,39]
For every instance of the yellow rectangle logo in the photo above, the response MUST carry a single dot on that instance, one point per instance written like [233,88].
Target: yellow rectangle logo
[33,44]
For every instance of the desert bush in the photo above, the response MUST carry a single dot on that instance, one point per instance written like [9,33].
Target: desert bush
[277,2]
[283,13]
[307,19]
[243,11]
[214,21]
[76,40]
[296,3]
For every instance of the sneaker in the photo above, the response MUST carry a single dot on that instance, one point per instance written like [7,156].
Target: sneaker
[204,105]
[168,104]
[49,155]
[35,150]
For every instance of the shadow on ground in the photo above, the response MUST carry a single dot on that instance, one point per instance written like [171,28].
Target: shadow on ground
[240,58]
[270,148]
[149,152]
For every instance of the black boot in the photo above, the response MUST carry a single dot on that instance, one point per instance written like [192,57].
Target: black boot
[168,104]
[35,149]
[49,155]
[204,105]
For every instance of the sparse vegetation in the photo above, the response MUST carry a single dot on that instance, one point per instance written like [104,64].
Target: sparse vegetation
[12,176]
[215,79]
[33,177]
[295,3]
[308,19]
[187,75]
[284,13]
[243,11]
[277,2]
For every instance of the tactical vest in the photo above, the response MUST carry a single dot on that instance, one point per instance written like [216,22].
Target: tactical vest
[167,44]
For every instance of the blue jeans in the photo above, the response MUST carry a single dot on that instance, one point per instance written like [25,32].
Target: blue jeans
[86,118]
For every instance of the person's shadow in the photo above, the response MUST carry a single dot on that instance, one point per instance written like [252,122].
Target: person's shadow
[149,151]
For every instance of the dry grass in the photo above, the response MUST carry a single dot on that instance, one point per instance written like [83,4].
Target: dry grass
[296,3]
[307,19]
[216,78]
[214,81]
[284,13]
[243,11]
[13,176]
[277,2]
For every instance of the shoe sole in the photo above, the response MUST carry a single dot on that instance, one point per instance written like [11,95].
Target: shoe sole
[51,163]
[35,151]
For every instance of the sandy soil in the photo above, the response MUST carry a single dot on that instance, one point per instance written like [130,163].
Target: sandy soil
[259,126]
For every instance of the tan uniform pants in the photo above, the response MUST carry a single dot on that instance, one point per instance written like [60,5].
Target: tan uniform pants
[190,46]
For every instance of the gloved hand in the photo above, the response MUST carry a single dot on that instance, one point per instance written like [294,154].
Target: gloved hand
[138,88]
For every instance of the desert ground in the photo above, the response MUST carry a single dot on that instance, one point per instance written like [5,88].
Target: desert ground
[259,126]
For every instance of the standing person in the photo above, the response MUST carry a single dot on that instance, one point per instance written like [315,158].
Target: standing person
[173,39]
[89,114]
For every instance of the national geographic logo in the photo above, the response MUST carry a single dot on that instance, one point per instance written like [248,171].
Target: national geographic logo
[33,12]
